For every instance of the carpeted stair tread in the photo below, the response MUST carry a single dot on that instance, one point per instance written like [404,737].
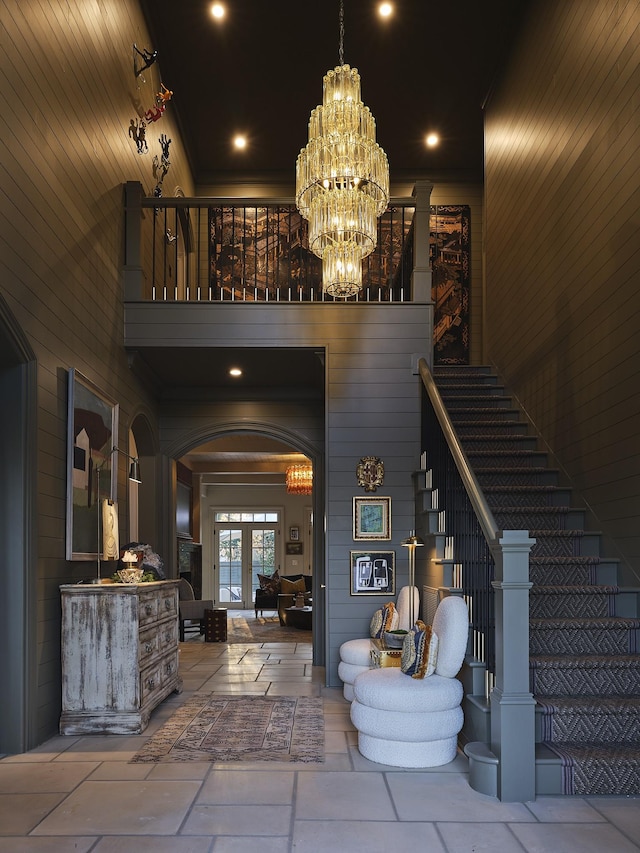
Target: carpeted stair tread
[584,675]
[593,589]
[593,769]
[600,636]
[589,720]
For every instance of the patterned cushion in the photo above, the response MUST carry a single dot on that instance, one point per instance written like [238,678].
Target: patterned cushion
[419,651]
[288,587]
[270,583]
[385,619]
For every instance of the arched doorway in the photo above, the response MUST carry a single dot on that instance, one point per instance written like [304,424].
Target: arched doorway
[239,477]
[18,455]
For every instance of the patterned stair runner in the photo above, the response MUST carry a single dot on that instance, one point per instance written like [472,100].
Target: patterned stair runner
[584,659]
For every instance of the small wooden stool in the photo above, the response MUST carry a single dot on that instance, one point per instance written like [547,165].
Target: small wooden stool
[215,625]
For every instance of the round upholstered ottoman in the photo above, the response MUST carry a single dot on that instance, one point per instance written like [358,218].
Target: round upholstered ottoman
[355,657]
[407,722]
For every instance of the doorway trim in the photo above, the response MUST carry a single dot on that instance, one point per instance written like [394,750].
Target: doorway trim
[18,553]
[205,434]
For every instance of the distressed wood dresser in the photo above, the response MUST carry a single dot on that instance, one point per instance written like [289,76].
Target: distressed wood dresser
[119,655]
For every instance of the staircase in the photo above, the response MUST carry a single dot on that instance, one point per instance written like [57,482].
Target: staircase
[584,630]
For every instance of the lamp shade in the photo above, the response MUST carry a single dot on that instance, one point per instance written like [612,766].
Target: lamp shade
[134,471]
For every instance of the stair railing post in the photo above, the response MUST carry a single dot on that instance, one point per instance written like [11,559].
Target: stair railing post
[421,279]
[132,274]
[512,703]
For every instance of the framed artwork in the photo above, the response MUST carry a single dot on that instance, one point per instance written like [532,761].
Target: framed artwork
[371,518]
[293,548]
[92,433]
[294,534]
[373,572]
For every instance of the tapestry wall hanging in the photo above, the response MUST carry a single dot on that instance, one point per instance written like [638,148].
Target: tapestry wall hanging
[262,254]
[449,251]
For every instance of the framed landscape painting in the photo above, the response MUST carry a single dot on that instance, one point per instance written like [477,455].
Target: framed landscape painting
[371,518]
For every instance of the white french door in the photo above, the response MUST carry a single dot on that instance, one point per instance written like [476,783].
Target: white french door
[242,550]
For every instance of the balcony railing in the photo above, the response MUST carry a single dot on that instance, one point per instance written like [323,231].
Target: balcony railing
[250,251]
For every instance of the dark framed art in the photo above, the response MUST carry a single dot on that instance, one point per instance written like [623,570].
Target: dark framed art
[373,572]
[92,433]
[293,548]
[371,518]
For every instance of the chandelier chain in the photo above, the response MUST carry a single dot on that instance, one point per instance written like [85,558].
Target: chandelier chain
[341,38]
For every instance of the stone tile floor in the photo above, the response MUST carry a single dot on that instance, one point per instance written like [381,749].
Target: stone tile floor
[80,794]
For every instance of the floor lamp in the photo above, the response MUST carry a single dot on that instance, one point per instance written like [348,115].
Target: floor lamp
[134,476]
[412,542]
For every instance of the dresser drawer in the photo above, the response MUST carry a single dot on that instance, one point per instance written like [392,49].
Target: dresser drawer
[168,605]
[147,608]
[149,646]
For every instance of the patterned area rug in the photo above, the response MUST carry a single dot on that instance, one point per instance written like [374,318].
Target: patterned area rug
[239,728]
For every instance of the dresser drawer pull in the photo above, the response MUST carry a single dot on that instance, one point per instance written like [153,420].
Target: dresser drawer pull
[167,604]
[169,668]
[168,635]
[151,683]
[148,647]
[148,609]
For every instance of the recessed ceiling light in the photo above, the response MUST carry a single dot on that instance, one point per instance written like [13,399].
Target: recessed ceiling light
[240,142]
[218,11]
[432,140]
[385,10]
[235,371]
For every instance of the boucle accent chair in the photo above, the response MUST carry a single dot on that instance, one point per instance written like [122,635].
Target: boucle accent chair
[414,722]
[355,655]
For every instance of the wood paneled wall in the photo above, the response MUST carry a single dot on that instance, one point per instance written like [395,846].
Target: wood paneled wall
[372,408]
[67,96]
[563,248]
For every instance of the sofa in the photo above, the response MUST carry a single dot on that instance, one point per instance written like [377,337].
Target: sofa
[270,597]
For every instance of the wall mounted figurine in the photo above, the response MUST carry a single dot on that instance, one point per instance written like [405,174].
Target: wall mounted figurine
[148,57]
[370,473]
[138,132]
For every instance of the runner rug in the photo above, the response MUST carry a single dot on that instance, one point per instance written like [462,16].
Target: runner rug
[239,728]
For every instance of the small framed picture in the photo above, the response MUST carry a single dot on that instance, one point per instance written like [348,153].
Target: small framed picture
[294,534]
[373,572]
[371,518]
[293,548]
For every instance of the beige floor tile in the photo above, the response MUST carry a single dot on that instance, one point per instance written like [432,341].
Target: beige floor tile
[241,787]
[241,844]
[563,810]
[20,813]
[480,838]
[335,742]
[74,844]
[622,812]
[572,838]
[121,808]
[447,796]
[343,796]
[110,771]
[51,777]
[231,820]
[354,836]
[131,843]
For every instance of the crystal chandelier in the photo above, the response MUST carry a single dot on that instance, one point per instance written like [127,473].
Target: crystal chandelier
[342,180]
[299,479]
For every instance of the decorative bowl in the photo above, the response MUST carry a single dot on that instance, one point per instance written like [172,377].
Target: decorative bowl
[130,575]
[394,639]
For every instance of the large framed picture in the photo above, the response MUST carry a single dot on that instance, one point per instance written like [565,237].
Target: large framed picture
[371,518]
[373,572]
[92,433]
